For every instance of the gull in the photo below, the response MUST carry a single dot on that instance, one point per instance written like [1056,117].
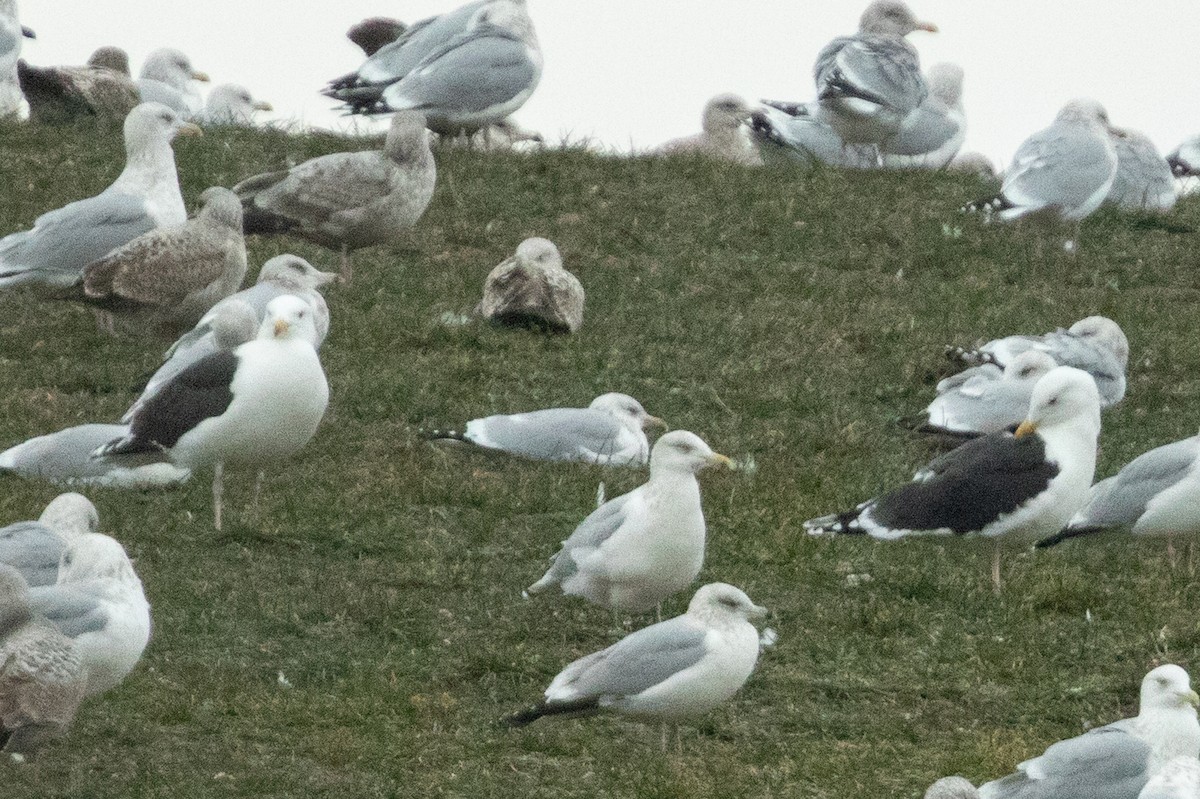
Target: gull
[11,34]
[101,89]
[1144,181]
[933,133]
[167,77]
[35,548]
[531,288]
[65,458]
[1185,159]
[985,399]
[723,133]
[231,104]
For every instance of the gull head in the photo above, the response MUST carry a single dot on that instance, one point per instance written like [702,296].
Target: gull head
[627,410]
[726,112]
[1085,111]
[151,124]
[221,206]
[952,788]
[1029,365]
[1063,396]
[722,602]
[113,58]
[71,515]
[172,67]
[288,317]
[946,82]
[681,451]
[539,251]
[234,323]
[95,556]
[1106,333]
[293,271]
[1168,687]
[892,17]
[406,136]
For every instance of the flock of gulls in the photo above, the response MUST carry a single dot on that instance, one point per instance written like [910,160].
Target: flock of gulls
[243,383]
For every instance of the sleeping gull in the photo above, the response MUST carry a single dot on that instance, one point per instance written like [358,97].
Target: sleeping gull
[101,89]
[932,134]
[42,679]
[11,34]
[1185,159]
[789,132]
[255,404]
[1065,170]
[35,548]
[669,671]
[1114,761]
[65,457]
[1143,181]
[1001,486]
[374,32]
[98,602]
[226,326]
[145,196]
[1154,494]
[531,288]
[723,135]
[1178,779]
[230,104]
[986,402]
[346,201]
[952,788]
[868,83]
[638,549]
[1096,345]
[167,279]
[608,432]
[167,77]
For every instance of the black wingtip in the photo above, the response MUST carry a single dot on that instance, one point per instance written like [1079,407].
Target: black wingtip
[1064,534]
[578,707]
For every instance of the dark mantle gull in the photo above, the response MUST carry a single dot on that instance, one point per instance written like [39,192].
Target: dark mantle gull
[35,548]
[868,83]
[1143,181]
[65,458]
[99,603]
[640,548]
[609,432]
[258,403]
[166,78]
[987,399]
[167,279]
[346,201]
[1114,761]
[42,678]
[101,89]
[1002,486]
[669,671]
[145,196]
[1154,494]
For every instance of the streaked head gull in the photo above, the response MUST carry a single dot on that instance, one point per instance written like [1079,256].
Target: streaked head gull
[1143,181]
[723,134]
[231,104]
[167,77]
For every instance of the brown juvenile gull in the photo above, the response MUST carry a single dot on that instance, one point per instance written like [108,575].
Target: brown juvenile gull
[231,104]
[145,196]
[1143,181]
[170,277]
[102,89]
[723,135]
[532,288]
[868,83]
[42,678]
[640,548]
[346,201]
[167,77]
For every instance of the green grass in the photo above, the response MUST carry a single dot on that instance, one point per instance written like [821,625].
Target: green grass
[783,316]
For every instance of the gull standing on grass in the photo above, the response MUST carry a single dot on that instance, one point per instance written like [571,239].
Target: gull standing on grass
[346,201]
[1002,486]
[868,83]
[1114,761]
[167,78]
[145,196]
[609,432]
[99,603]
[255,404]
[672,670]
[42,678]
[723,134]
[640,548]
[35,549]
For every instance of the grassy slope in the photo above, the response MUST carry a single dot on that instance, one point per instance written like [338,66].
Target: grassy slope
[783,316]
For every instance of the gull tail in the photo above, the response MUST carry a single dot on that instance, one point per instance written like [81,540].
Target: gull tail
[576,707]
[1065,533]
[835,524]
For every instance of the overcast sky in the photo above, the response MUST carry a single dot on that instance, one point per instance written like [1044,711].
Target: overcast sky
[637,72]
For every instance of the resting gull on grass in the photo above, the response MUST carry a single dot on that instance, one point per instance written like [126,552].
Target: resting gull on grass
[609,432]
[98,602]
[101,89]
[531,288]
[640,548]
[231,104]
[346,201]
[35,548]
[789,132]
[868,83]
[1114,761]
[1143,181]
[166,280]
[931,135]
[258,403]
[166,78]
[988,400]
[1097,345]
[42,678]
[669,671]
[1001,486]
[65,458]
[145,196]
[723,135]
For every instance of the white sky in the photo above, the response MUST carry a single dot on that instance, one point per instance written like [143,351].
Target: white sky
[637,72]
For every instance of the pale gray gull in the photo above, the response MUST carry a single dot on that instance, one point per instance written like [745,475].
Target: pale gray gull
[145,196]
[931,135]
[1143,181]
[346,201]
[42,678]
[795,132]
[532,288]
[723,133]
[1185,159]
[231,104]
[987,401]
[1178,779]
[1003,486]
[258,403]
[101,89]
[167,77]
[1095,344]
[640,548]
[167,279]
[1114,761]
[65,458]
[35,548]
[98,602]
[609,432]
[669,671]
[868,83]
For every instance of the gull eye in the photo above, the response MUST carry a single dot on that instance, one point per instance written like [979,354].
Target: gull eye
[728,601]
